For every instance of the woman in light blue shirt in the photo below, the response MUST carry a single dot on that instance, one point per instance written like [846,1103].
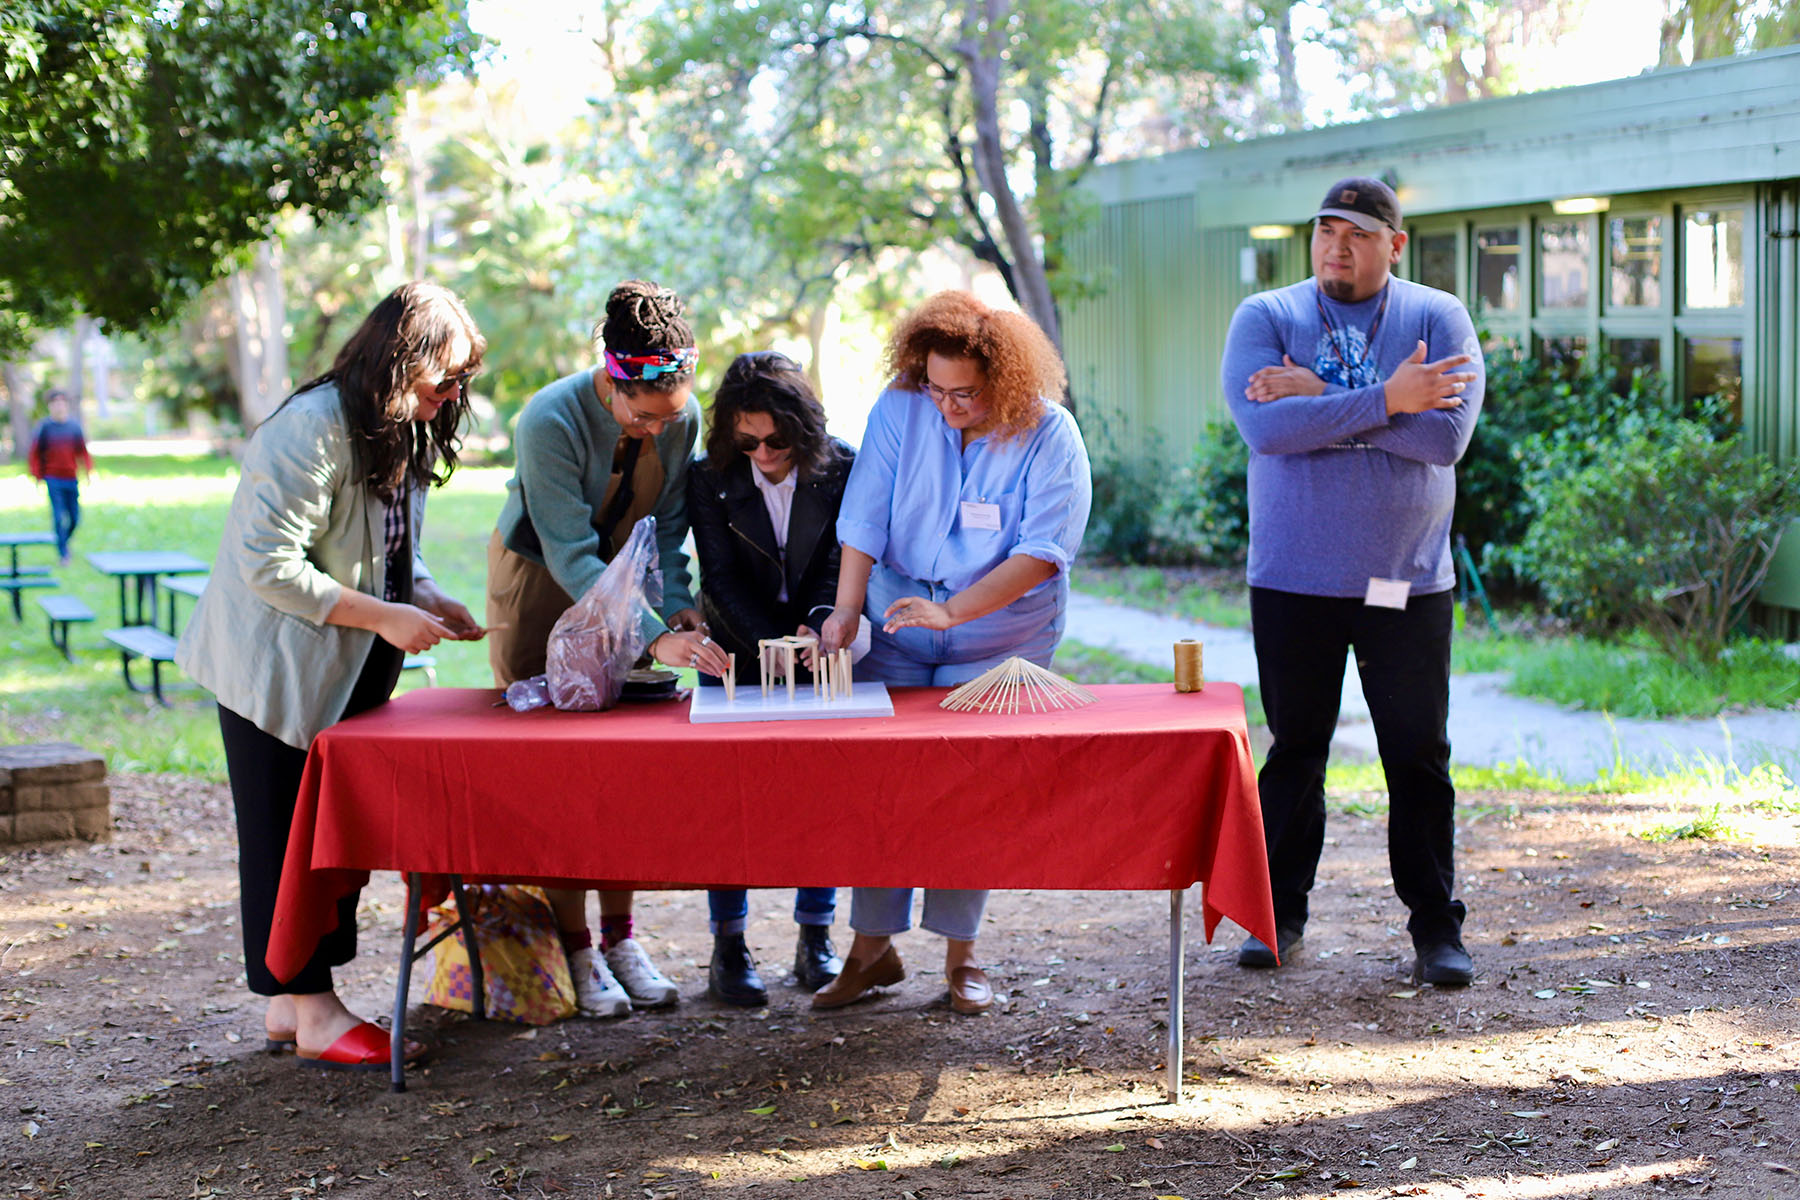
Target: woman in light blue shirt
[963,512]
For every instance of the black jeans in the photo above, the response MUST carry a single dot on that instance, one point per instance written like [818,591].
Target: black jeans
[265,786]
[1403,658]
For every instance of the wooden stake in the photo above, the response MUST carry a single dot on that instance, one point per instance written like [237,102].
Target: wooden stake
[731,679]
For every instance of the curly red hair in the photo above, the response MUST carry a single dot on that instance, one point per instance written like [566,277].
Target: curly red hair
[1022,368]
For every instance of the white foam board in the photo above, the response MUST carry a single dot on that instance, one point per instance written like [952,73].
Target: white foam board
[709,706]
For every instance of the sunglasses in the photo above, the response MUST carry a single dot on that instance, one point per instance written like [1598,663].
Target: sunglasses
[453,383]
[747,444]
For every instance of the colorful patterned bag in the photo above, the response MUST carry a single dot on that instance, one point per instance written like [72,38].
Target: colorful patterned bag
[522,960]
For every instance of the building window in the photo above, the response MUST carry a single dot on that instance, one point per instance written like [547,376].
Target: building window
[1564,354]
[1497,269]
[1715,367]
[1634,354]
[1635,261]
[1563,250]
[1713,258]
[1437,261]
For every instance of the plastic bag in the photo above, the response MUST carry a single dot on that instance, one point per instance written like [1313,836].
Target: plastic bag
[524,969]
[595,643]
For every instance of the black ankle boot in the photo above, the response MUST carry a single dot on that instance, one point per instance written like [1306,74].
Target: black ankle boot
[816,962]
[732,975]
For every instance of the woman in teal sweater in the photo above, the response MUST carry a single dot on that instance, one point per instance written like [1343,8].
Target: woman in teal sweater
[597,451]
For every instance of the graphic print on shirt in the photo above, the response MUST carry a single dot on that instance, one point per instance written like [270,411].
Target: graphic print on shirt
[1342,356]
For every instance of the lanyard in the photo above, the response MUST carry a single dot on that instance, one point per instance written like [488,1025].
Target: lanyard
[1368,343]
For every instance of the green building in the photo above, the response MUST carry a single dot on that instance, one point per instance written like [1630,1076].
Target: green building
[1655,219]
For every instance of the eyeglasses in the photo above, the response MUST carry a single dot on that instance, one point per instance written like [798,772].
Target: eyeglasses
[455,382]
[774,441]
[637,420]
[957,396]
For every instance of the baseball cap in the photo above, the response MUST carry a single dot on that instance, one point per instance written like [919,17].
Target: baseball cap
[1362,201]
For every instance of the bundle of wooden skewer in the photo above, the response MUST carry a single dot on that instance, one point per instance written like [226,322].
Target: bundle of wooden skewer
[1001,688]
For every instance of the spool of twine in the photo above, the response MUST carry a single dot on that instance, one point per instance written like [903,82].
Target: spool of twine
[1190,673]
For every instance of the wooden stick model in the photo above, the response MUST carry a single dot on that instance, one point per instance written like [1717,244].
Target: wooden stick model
[999,688]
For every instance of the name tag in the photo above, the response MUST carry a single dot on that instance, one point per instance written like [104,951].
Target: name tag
[1387,593]
[976,515]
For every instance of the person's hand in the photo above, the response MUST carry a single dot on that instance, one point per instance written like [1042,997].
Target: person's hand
[688,619]
[1289,379]
[916,610]
[1418,386]
[410,628]
[839,629]
[451,613]
[690,648]
[810,656]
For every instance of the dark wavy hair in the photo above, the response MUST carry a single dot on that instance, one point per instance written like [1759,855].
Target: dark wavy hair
[644,318]
[767,381]
[1023,369]
[404,340]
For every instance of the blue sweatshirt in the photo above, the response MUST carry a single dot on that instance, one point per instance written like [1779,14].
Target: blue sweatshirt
[1339,491]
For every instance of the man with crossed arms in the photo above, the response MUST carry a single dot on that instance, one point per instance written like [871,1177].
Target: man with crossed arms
[1357,393]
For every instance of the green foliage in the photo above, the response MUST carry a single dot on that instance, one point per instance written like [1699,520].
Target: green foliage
[1093,664]
[1527,401]
[1195,595]
[147,143]
[1661,526]
[1145,513]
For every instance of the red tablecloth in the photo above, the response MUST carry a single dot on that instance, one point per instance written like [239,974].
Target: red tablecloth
[1147,789]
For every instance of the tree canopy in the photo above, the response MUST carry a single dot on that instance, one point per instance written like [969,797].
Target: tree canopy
[146,144]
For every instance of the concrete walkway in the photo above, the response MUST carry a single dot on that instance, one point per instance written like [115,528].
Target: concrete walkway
[1488,727]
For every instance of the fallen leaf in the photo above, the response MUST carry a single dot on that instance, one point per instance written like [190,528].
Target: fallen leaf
[1608,1144]
[481,1156]
[764,1111]
[1115,1148]
[872,1164]
[1153,1143]
[1409,1164]
[29,1129]
[1528,1114]
[1408,994]
[561,1137]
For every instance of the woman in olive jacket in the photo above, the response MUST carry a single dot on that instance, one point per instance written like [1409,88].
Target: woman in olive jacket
[763,506]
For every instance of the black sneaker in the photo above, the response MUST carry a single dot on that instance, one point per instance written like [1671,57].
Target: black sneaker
[732,976]
[1256,953]
[1443,964]
[816,962]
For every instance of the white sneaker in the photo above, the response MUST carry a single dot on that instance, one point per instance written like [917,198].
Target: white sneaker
[597,993]
[641,981]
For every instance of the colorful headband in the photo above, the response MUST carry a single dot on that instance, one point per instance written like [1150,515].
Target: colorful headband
[651,366]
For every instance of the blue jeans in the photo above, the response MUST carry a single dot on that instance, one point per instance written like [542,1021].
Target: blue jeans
[65,511]
[729,908]
[950,912]
[1028,628]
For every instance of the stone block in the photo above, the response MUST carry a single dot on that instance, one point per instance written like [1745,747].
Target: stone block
[6,799]
[55,826]
[93,824]
[61,796]
[42,763]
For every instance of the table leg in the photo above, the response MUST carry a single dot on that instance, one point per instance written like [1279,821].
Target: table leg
[397,1043]
[465,918]
[1177,957]
[124,613]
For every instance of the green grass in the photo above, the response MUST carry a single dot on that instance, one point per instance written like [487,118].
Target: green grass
[179,503]
[1092,664]
[1203,596]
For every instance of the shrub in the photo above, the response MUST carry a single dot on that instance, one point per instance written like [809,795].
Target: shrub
[1151,512]
[1527,399]
[1663,525]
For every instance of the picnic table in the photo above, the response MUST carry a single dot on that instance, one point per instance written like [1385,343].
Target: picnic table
[182,585]
[143,568]
[18,578]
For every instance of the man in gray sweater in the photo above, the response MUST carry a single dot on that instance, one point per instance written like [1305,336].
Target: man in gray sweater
[1357,393]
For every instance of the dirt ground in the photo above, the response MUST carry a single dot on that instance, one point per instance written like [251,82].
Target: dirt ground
[1632,1032]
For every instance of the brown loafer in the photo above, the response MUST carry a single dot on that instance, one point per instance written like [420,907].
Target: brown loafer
[855,980]
[970,991]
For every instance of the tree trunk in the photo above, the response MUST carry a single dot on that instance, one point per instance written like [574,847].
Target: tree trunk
[18,402]
[259,352]
[77,377]
[1287,76]
[415,172]
[981,51]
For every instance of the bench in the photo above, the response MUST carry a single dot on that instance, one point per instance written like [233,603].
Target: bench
[18,583]
[64,611]
[148,642]
[422,662]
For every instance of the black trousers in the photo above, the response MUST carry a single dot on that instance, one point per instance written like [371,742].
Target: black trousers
[1403,658]
[265,786]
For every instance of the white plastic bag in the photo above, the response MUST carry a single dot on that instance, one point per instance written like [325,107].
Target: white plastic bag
[595,643]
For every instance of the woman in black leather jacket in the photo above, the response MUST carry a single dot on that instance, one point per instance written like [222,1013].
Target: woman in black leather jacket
[763,506]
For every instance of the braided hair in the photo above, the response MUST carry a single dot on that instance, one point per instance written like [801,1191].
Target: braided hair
[645,318]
